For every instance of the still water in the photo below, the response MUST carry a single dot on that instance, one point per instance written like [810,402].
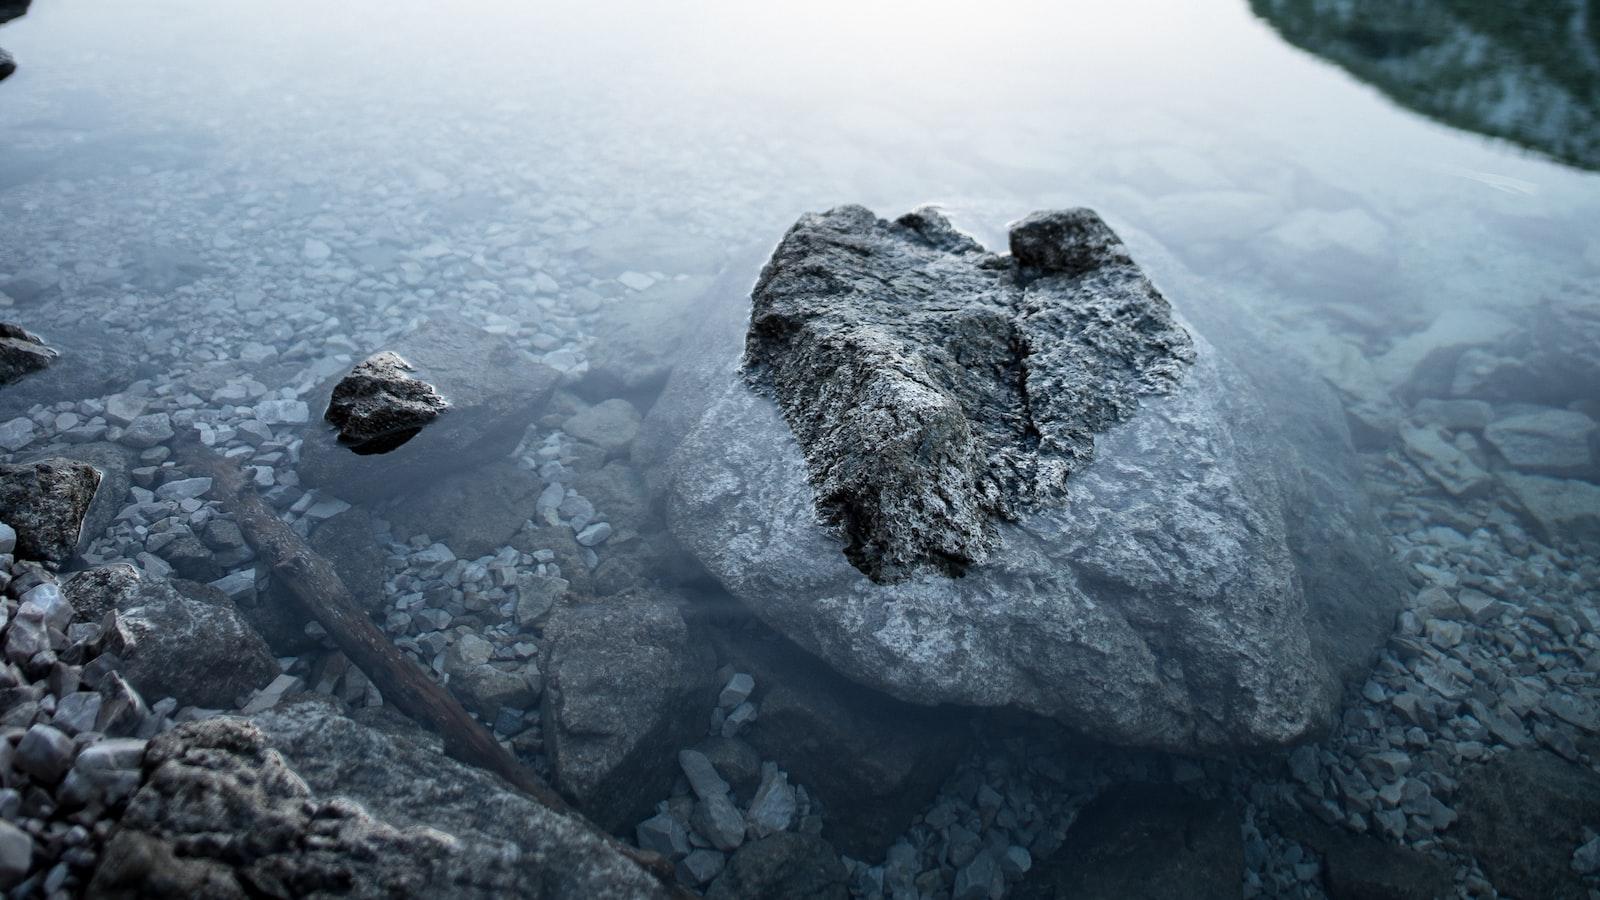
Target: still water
[211,209]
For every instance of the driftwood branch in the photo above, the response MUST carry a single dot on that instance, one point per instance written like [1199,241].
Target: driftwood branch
[313,580]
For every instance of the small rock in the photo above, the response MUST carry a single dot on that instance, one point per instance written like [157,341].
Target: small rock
[45,753]
[16,854]
[594,535]
[737,690]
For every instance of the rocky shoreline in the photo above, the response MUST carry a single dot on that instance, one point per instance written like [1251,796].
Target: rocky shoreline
[155,672]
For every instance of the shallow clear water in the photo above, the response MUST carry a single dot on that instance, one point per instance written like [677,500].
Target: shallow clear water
[212,205]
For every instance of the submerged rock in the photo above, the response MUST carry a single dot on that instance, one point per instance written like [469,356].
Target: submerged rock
[46,503]
[302,801]
[1522,817]
[494,390]
[1146,841]
[935,387]
[627,683]
[379,406]
[1194,590]
[21,352]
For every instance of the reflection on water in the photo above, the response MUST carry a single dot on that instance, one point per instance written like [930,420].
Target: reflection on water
[214,210]
[1524,70]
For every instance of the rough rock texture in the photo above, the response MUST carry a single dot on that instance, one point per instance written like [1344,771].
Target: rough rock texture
[1145,841]
[874,762]
[46,503]
[379,406]
[494,390]
[784,866]
[1522,816]
[21,352]
[934,387]
[1209,579]
[203,654]
[627,683]
[115,464]
[240,809]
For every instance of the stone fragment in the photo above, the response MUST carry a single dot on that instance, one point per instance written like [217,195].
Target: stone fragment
[16,851]
[1555,442]
[379,405]
[45,754]
[46,503]
[21,353]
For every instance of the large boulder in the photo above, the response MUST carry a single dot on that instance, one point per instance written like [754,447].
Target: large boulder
[627,684]
[115,463]
[303,801]
[171,645]
[46,502]
[494,390]
[1208,580]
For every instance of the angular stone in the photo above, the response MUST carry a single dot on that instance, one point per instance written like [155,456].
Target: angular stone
[46,503]
[663,834]
[784,866]
[21,353]
[379,406]
[1555,442]
[610,425]
[45,754]
[626,683]
[773,809]
[16,851]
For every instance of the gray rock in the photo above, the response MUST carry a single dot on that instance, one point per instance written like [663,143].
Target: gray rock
[874,762]
[410,822]
[736,691]
[663,834]
[626,684]
[700,867]
[1358,866]
[934,387]
[475,511]
[204,654]
[536,596]
[44,754]
[610,425]
[1442,461]
[115,464]
[1522,816]
[282,412]
[773,809]
[594,535]
[1149,841]
[703,777]
[21,353]
[46,503]
[183,489]
[717,820]
[784,866]
[975,879]
[1213,610]
[379,406]
[350,544]
[16,854]
[8,539]
[493,388]
[1546,442]
[1557,509]
[148,430]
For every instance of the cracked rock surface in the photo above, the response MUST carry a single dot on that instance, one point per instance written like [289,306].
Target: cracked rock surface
[935,387]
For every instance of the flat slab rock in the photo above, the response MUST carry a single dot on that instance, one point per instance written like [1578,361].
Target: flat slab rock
[1175,597]
[935,387]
